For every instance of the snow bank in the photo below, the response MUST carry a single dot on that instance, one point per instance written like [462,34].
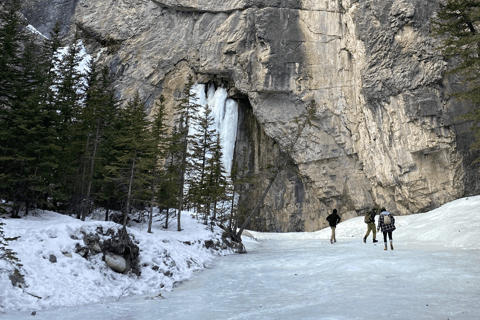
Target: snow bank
[455,225]
[166,257]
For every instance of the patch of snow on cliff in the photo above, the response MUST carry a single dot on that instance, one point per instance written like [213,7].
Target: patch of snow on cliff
[32,29]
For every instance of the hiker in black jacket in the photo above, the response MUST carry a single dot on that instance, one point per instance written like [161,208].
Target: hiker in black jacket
[370,221]
[333,219]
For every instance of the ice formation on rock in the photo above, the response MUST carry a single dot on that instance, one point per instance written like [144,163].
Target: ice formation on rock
[225,114]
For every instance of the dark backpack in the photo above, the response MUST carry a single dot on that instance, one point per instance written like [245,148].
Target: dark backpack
[368,217]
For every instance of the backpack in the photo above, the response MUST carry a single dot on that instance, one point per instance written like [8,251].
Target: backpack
[368,217]
[387,220]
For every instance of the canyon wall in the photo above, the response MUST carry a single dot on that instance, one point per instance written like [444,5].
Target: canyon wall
[384,130]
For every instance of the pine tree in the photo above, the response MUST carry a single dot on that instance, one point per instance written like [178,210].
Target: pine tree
[131,151]
[169,187]
[27,134]
[186,117]
[458,25]
[158,145]
[217,183]
[10,79]
[201,151]
[99,113]
[10,43]
[69,97]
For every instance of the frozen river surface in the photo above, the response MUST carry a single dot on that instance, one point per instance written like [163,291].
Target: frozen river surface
[283,278]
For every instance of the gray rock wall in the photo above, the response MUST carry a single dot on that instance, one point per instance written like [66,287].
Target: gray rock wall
[384,131]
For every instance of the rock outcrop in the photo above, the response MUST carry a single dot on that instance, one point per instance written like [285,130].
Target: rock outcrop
[385,130]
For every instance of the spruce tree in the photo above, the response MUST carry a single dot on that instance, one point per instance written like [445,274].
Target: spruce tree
[186,112]
[10,43]
[10,79]
[99,113]
[69,97]
[217,182]
[457,25]
[169,187]
[201,151]
[158,145]
[27,121]
[131,150]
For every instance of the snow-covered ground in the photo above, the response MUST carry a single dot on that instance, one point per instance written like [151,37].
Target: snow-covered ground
[433,273]
[166,257]
[454,225]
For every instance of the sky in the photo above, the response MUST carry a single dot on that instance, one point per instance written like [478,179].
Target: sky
[432,273]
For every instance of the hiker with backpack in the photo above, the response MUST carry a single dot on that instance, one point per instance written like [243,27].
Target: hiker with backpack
[386,222]
[333,219]
[370,221]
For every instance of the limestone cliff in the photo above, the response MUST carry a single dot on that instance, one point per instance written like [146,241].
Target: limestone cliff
[384,132]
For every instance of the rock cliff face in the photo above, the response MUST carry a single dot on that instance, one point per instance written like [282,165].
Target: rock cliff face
[384,130]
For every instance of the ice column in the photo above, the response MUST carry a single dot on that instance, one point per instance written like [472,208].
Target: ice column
[225,114]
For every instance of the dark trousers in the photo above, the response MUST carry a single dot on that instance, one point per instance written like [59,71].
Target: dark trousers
[385,235]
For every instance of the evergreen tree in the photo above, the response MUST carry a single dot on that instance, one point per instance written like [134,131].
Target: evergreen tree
[158,145]
[201,151]
[69,83]
[457,25]
[186,112]
[27,122]
[10,43]
[99,113]
[217,183]
[131,152]
[169,187]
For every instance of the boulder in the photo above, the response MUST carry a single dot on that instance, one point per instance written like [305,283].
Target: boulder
[115,262]
[92,241]
[52,258]
[121,244]
[83,251]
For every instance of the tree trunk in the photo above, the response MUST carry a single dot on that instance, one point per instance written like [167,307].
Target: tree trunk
[80,214]
[129,195]
[27,206]
[89,188]
[150,216]
[166,219]
[182,179]
[231,212]
[244,225]
[108,208]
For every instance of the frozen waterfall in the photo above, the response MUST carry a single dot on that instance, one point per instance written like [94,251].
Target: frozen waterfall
[225,114]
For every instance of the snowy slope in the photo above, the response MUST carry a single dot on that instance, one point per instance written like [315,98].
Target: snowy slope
[75,280]
[455,224]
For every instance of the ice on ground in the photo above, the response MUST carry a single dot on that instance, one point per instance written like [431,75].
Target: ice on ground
[166,257]
[303,276]
[432,273]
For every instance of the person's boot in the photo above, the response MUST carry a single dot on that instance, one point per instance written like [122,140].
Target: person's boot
[331,241]
[385,246]
[364,239]
[391,245]
[375,241]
